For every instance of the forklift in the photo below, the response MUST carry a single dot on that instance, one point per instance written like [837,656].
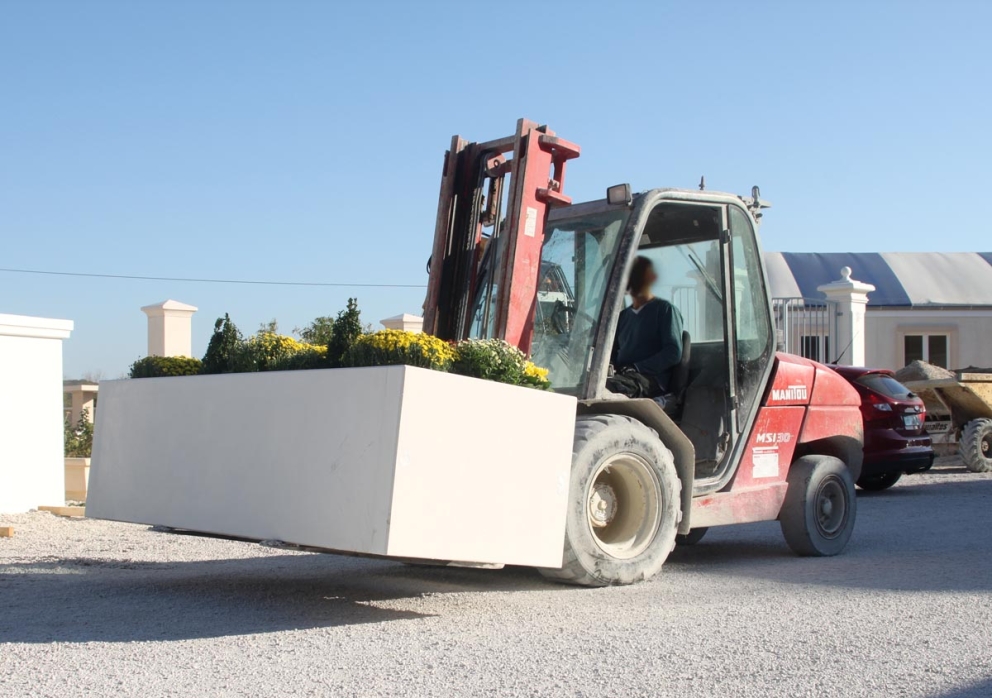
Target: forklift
[745,433]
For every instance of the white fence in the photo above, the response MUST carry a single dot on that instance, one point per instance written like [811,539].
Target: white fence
[807,327]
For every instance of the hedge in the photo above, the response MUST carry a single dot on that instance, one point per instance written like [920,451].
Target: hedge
[159,366]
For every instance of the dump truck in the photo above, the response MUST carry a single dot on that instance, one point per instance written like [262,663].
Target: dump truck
[959,415]
[591,487]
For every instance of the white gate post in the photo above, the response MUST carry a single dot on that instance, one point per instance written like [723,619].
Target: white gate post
[170,328]
[32,470]
[851,298]
[405,321]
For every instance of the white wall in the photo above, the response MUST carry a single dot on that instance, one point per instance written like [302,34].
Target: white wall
[31,449]
[970,335]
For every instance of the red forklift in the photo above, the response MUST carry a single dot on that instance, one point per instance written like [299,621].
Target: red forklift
[746,433]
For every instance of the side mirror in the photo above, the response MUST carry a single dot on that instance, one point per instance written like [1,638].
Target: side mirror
[619,195]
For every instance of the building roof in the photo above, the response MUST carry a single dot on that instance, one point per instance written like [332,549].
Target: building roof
[901,279]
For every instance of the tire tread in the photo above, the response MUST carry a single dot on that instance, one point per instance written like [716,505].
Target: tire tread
[586,428]
[970,446]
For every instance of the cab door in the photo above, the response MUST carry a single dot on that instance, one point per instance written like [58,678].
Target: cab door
[751,319]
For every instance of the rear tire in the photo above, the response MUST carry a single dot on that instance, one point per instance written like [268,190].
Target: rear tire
[877,483]
[624,505]
[692,537]
[976,445]
[820,506]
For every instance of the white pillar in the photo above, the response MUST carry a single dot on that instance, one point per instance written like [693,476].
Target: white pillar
[170,328]
[82,396]
[851,298]
[32,470]
[405,321]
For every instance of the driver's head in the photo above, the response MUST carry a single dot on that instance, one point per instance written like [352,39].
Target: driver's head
[642,277]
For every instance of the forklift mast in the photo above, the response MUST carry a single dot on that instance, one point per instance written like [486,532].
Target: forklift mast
[494,195]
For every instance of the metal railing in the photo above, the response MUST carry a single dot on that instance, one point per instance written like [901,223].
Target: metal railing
[806,327]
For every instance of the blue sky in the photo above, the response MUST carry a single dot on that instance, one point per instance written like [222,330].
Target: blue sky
[303,140]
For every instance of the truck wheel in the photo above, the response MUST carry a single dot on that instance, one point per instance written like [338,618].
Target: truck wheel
[877,483]
[624,505]
[976,445]
[818,514]
[692,537]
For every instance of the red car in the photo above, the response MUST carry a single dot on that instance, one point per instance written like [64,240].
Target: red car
[895,440]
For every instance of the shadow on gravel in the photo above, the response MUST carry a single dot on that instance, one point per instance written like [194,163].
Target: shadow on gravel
[982,689]
[931,536]
[90,600]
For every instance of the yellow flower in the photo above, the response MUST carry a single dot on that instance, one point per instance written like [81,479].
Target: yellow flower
[390,347]
[531,370]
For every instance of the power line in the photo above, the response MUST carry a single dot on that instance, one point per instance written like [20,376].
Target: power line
[206,281]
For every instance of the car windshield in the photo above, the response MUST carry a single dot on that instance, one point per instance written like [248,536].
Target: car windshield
[576,262]
[885,385]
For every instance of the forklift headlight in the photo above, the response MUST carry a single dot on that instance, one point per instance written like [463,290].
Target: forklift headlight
[619,195]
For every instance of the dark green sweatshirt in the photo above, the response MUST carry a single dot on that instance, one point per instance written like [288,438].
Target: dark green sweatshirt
[649,339]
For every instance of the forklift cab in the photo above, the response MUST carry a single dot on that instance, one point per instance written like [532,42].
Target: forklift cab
[701,245]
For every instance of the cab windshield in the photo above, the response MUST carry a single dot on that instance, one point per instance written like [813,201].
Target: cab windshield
[576,262]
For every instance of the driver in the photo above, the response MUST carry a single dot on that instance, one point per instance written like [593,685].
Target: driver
[648,343]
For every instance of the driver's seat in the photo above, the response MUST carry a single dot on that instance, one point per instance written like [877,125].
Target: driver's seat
[675,397]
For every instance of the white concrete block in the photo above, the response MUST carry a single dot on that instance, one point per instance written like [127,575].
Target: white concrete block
[394,461]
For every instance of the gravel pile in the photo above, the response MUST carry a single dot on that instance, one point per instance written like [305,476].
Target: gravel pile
[103,609]
[922,371]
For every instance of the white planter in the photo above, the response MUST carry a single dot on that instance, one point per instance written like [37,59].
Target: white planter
[393,461]
[77,477]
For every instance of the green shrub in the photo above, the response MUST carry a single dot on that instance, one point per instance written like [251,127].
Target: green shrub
[312,356]
[158,366]
[496,360]
[224,345]
[345,332]
[78,438]
[396,347]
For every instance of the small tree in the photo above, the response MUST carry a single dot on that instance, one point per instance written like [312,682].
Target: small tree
[319,331]
[78,439]
[347,328]
[223,346]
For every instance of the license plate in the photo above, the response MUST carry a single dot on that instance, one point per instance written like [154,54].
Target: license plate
[912,421]
[938,427]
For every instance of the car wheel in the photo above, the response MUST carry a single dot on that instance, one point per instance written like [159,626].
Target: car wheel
[876,483]
[820,507]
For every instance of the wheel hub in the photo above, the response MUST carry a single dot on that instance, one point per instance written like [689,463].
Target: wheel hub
[831,508]
[602,505]
[624,506]
[826,507]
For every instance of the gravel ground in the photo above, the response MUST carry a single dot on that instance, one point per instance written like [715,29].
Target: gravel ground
[95,608]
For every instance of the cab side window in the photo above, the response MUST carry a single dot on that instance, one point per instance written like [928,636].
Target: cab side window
[752,318]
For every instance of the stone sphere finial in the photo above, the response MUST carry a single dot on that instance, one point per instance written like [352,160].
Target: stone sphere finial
[845,273]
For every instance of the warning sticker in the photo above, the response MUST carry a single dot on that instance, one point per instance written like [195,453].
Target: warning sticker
[765,463]
[530,222]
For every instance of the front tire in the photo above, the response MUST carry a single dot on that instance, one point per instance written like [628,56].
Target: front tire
[976,445]
[624,505]
[877,483]
[820,506]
